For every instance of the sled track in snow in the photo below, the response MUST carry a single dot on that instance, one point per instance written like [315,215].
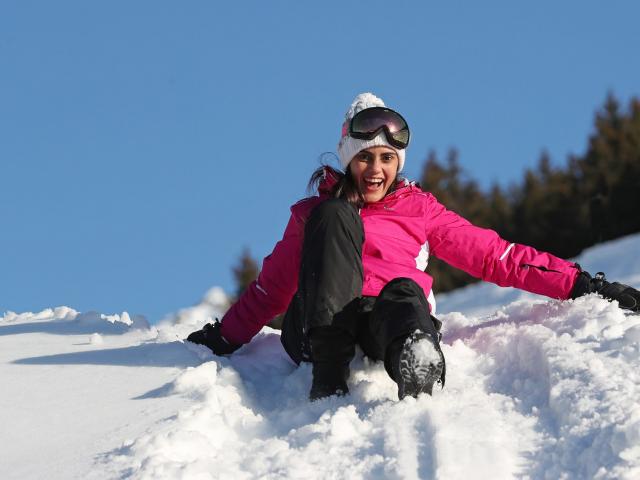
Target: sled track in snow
[573,369]
[266,428]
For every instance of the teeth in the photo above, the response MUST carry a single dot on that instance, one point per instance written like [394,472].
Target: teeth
[375,181]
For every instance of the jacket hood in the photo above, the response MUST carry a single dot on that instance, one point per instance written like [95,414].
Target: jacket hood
[329,179]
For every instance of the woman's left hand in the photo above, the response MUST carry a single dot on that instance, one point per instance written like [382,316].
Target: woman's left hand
[626,296]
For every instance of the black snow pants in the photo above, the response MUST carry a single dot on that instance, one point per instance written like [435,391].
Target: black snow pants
[329,295]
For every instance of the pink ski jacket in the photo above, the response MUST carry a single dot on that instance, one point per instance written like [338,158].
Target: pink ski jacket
[401,231]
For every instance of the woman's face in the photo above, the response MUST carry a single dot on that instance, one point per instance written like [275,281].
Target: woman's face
[374,171]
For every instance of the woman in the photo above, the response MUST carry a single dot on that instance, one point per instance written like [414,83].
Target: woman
[350,267]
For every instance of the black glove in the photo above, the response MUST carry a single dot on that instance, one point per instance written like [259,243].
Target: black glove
[627,297]
[211,337]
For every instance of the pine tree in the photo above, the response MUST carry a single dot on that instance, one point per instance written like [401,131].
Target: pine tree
[245,272]
[546,213]
[610,170]
[561,210]
[500,212]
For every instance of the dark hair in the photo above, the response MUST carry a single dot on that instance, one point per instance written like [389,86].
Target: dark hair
[345,187]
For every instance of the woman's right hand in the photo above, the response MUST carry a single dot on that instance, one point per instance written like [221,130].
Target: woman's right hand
[210,336]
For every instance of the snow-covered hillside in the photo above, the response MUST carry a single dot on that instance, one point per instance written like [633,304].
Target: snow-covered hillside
[536,388]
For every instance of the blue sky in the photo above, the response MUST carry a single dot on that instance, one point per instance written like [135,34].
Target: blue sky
[144,144]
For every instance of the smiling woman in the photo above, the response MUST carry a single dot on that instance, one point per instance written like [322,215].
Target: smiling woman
[350,268]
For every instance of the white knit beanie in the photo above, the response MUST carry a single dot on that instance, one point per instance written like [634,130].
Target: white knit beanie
[348,147]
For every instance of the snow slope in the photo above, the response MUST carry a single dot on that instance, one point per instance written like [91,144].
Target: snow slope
[536,388]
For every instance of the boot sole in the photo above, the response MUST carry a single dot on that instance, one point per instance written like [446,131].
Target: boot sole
[417,377]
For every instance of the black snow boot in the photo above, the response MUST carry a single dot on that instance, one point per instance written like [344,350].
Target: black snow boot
[329,379]
[331,351]
[417,363]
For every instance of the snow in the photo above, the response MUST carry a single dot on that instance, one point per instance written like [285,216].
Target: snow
[423,351]
[536,388]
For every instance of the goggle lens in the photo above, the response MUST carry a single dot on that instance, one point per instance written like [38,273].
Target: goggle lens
[367,124]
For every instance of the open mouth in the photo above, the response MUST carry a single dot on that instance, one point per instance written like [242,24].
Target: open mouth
[373,184]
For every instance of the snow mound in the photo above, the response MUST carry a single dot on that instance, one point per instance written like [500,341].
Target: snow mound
[213,305]
[65,319]
[574,366]
[536,388]
[543,390]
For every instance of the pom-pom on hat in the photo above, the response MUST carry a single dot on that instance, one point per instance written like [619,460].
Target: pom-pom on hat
[348,146]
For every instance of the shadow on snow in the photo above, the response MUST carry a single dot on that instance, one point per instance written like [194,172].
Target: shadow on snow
[172,354]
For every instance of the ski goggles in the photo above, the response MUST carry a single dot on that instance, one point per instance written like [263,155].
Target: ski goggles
[368,123]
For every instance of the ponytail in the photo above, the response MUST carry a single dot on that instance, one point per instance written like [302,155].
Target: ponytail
[345,187]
